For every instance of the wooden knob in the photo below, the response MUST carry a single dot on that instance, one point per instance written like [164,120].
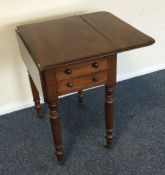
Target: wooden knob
[95,65]
[68,71]
[70,84]
[95,78]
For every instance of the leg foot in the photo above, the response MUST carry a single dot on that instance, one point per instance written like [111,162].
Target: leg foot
[38,108]
[81,97]
[108,146]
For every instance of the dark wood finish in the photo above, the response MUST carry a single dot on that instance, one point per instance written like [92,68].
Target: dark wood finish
[73,37]
[121,35]
[52,100]
[109,113]
[109,98]
[56,130]
[82,68]
[73,54]
[81,96]
[72,40]
[36,97]
[83,82]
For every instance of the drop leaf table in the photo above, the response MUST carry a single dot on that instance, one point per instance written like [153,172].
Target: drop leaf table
[72,54]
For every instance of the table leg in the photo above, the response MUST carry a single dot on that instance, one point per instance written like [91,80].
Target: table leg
[51,100]
[109,113]
[56,130]
[81,96]
[36,97]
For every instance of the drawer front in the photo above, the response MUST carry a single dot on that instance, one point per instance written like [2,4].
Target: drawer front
[79,69]
[82,82]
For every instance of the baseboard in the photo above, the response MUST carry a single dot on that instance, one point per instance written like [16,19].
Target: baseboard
[25,104]
[140,72]
[15,107]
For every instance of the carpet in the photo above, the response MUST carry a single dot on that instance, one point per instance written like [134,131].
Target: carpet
[26,143]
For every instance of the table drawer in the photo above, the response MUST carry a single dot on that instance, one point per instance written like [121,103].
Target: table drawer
[79,69]
[82,82]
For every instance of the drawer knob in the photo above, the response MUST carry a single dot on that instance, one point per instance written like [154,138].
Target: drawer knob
[68,71]
[95,78]
[70,84]
[95,65]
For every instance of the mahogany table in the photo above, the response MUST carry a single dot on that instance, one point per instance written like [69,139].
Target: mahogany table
[72,54]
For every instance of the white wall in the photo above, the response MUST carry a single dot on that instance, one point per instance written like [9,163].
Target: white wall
[146,15]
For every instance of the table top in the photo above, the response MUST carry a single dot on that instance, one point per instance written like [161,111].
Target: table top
[77,38]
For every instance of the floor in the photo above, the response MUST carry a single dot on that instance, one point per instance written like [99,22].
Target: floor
[26,145]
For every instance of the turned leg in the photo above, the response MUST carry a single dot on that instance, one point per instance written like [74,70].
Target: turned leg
[56,130]
[51,99]
[36,97]
[81,96]
[109,113]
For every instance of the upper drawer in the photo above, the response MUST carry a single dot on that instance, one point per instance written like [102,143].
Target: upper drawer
[79,69]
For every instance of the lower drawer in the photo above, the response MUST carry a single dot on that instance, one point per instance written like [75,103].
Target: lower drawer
[82,82]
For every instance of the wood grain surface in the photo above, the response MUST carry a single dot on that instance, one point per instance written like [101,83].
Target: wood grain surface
[58,42]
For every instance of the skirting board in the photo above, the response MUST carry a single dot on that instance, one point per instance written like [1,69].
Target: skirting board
[25,104]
